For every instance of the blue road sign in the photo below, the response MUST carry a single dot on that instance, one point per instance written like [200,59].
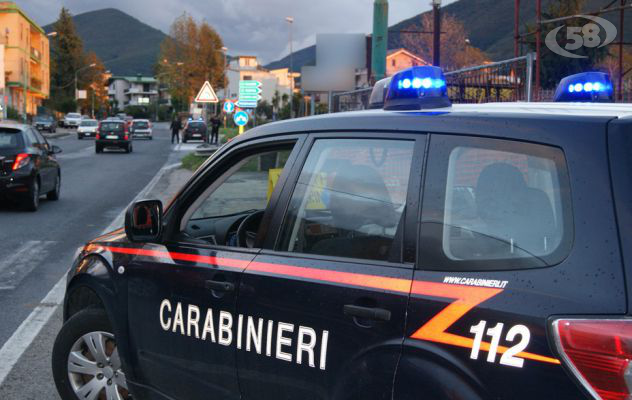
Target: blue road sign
[229,107]
[240,118]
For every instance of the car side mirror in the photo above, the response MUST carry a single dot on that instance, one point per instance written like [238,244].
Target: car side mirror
[143,221]
[55,149]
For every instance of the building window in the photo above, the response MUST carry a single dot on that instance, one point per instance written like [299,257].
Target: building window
[247,77]
[393,62]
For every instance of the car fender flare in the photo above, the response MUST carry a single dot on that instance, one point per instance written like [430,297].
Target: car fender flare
[427,368]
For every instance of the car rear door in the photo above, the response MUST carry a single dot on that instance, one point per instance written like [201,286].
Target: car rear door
[182,294]
[512,234]
[322,311]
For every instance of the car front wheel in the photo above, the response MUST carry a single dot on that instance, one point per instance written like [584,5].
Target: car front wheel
[86,362]
[55,193]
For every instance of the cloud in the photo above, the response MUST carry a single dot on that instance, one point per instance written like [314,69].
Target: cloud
[255,27]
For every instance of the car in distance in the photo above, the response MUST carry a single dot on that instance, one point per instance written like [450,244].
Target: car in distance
[194,130]
[141,128]
[113,134]
[44,123]
[28,167]
[87,128]
[72,120]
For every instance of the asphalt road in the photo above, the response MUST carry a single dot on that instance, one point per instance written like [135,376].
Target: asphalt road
[36,249]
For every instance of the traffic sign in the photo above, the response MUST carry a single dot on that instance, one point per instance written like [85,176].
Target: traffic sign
[206,94]
[229,106]
[249,94]
[240,118]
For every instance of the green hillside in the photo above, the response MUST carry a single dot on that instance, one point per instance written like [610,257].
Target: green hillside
[126,45]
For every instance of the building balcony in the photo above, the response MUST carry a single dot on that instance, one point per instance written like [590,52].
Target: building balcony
[36,83]
[36,54]
[134,91]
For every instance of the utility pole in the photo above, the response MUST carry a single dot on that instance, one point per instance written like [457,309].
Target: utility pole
[436,37]
[290,20]
[379,40]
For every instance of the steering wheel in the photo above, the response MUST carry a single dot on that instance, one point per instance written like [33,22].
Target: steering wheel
[247,231]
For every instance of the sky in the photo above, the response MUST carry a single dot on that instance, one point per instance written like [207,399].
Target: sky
[253,27]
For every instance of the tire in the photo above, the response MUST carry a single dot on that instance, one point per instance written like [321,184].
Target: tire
[86,341]
[79,137]
[32,202]
[98,149]
[54,194]
[128,149]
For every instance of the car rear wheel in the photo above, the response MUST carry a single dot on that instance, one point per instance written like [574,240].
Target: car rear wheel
[98,149]
[55,193]
[86,362]
[32,199]
[79,137]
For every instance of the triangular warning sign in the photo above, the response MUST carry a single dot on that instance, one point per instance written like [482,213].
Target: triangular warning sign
[206,94]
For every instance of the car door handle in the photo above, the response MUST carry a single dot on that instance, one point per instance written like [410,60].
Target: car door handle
[377,314]
[219,286]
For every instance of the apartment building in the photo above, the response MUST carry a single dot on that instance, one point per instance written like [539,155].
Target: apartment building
[26,56]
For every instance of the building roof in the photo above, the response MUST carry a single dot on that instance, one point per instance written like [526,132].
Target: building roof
[11,7]
[394,52]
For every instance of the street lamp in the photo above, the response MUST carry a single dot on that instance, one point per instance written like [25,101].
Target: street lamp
[51,34]
[436,47]
[77,73]
[290,20]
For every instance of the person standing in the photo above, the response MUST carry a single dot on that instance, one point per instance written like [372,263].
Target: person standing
[176,125]
[215,124]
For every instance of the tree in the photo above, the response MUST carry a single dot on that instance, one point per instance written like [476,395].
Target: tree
[190,55]
[67,57]
[456,51]
[554,67]
[93,79]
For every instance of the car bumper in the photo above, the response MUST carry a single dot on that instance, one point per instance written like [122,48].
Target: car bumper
[71,123]
[142,134]
[43,127]
[112,143]
[14,185]
[91,134]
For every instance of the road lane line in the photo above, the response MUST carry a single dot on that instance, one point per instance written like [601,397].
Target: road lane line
[17,266]
[29,329]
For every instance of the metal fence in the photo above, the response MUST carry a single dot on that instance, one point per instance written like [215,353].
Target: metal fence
[508,80]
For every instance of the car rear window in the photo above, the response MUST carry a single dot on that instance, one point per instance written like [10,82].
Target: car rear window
[88,123]
[73,115]
[141,124]
[10,139]
[494,204]
[112,126]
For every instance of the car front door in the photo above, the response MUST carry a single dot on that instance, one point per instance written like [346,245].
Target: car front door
[48,166]
[322,307]
[182,294]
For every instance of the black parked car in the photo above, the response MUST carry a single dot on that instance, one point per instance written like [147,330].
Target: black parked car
[194,130]
[45,123]
[28,168]
[113,134]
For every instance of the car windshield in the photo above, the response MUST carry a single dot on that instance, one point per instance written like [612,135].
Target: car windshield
[196,124]
[73,115]
[43,118]
[89,122]
[10,139]
[112,126]
[141,124]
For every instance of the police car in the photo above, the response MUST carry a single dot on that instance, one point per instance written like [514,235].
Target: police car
[419,251]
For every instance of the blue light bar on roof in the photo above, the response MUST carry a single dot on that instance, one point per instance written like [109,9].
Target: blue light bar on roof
[417,88]
[585,87]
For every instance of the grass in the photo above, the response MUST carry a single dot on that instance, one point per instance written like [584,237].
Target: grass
[192,162]
[227,133]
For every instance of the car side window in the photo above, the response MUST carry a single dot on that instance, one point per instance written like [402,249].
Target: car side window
[349,200]
[40,139]
[494,204]
[244,189]
[30,137]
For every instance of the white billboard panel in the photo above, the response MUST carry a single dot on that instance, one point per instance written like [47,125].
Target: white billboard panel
[325,79]
[341,50]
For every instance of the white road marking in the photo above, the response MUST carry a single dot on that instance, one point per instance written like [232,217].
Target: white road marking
[17,266]
[28,330]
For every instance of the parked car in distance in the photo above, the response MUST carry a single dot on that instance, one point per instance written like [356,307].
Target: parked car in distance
[87,128]
[72,120]
[194,130]
[28,168]
[113,134]
[44,123]
[141,128]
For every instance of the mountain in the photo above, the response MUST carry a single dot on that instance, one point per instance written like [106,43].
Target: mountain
[125,45]
[490,26]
